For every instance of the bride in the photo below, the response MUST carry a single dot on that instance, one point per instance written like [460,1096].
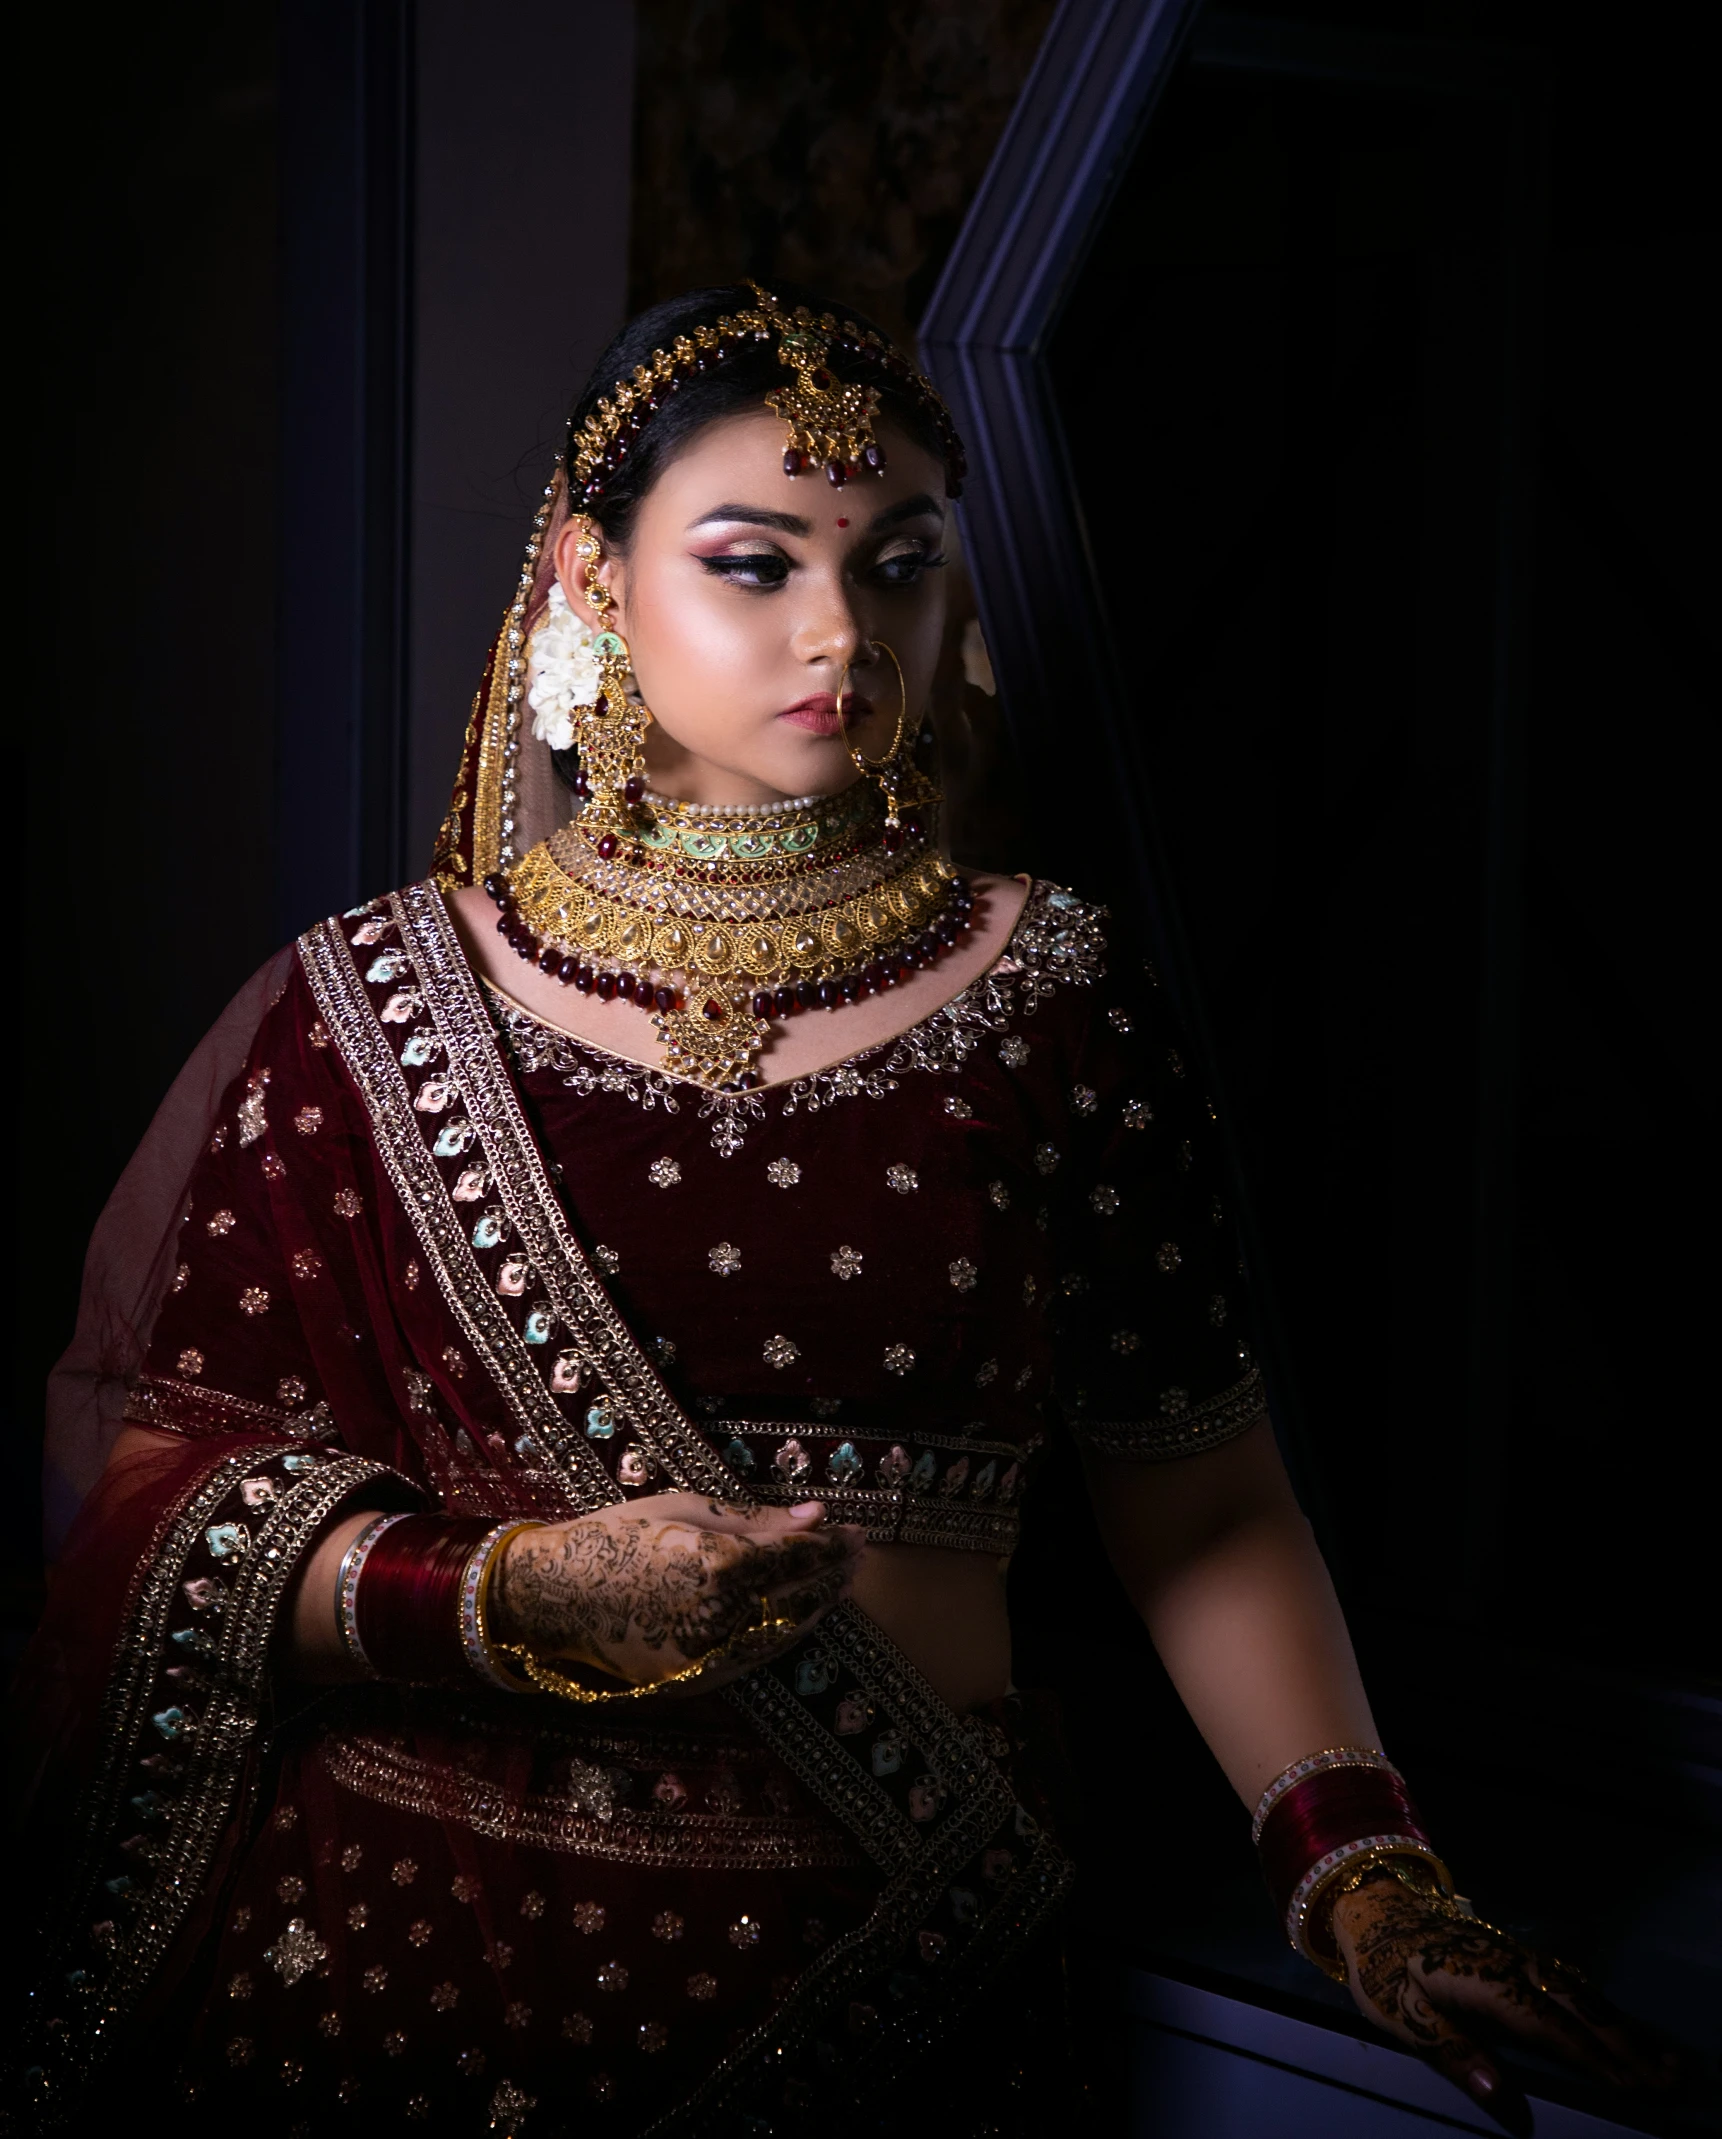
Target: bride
[536,1657]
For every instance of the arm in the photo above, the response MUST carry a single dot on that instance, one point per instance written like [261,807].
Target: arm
[1219,1559]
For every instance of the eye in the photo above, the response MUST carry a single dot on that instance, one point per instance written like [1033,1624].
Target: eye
[903,568]
[753,568]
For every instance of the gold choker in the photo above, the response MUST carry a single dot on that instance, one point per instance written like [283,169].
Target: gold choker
[724,922]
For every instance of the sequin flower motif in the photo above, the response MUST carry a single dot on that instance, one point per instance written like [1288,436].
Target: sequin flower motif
[781,1351]
[297,1952]
[898,1359]
[846,1263]
[963,1274]
[725,1259]
[663,1173]
[783,1173]
[903,1179]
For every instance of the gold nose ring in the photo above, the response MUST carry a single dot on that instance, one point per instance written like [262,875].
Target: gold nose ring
[865,764]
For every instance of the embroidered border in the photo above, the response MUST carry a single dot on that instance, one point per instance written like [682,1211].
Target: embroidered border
[346,1011]
[534,1208]
[890,1515]
[1210,1424]
[922,1867]
[387,1774]
[189,1408]
[79,2008]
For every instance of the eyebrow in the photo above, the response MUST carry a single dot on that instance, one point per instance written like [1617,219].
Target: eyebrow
[787,523]
[922,505]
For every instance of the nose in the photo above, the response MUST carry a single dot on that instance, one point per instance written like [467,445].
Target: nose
[830,631]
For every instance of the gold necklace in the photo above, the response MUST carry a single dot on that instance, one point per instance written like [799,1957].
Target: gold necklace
[723,923]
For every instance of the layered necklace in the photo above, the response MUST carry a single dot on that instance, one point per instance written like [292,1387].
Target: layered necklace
[725,922]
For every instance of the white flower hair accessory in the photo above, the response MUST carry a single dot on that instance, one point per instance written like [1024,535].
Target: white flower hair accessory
[562,672]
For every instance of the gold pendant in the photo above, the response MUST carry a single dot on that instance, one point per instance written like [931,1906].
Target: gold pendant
[714,1040]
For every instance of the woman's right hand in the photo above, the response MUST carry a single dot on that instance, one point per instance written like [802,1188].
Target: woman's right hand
[648,1586]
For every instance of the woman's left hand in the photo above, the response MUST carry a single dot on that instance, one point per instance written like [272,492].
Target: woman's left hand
[1416,1968]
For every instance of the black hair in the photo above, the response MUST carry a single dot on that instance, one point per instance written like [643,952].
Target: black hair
[740,379]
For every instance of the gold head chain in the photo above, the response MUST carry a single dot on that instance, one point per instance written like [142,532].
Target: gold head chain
[828,422]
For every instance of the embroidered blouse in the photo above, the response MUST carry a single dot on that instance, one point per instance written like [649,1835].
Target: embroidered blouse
[895,1284]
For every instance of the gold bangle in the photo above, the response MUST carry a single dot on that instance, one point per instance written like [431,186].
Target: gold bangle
[763,1635]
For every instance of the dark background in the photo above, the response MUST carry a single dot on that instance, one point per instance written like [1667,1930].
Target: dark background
[309,290]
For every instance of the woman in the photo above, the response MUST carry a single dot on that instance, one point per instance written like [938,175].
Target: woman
[659,1253]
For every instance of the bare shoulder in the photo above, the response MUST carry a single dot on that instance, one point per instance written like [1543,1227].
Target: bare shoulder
[800,1045]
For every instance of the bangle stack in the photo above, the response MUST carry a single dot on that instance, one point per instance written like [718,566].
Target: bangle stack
[411,1599]
[1325,1822]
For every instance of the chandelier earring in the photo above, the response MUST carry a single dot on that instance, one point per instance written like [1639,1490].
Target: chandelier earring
[610,733]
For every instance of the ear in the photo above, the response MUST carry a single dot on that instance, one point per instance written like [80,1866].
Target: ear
[571,572]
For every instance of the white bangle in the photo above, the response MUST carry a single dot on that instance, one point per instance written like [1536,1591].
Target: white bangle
[474,1634]
[347,1589]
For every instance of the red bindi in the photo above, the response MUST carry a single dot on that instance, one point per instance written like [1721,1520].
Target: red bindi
[843,523]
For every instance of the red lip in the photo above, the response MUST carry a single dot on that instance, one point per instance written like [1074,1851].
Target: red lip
[819,713]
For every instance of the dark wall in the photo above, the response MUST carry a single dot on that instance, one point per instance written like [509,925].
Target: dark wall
[150,729]
[1401,567]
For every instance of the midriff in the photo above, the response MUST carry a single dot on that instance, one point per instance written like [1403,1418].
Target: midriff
[946,1611]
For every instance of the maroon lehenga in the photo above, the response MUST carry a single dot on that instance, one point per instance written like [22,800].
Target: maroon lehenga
[438,1254]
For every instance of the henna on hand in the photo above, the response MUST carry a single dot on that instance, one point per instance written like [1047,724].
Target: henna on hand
[641,1590]
[1413,1962]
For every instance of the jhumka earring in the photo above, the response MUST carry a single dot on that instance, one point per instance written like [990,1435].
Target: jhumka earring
[610,734]
[898,779]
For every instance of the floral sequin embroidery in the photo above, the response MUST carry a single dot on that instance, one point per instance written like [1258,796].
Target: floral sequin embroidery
[781,1351]
[903,1179]
[219,1223]
[308,1120]
[846,1263]
[963,1274]
[724,1259]
[783,1173]
[663,1173]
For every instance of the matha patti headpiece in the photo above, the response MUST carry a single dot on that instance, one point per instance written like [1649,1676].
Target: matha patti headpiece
[828,420]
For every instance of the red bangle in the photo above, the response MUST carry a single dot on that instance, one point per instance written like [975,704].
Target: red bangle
[1354,1805]
[407,1606]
